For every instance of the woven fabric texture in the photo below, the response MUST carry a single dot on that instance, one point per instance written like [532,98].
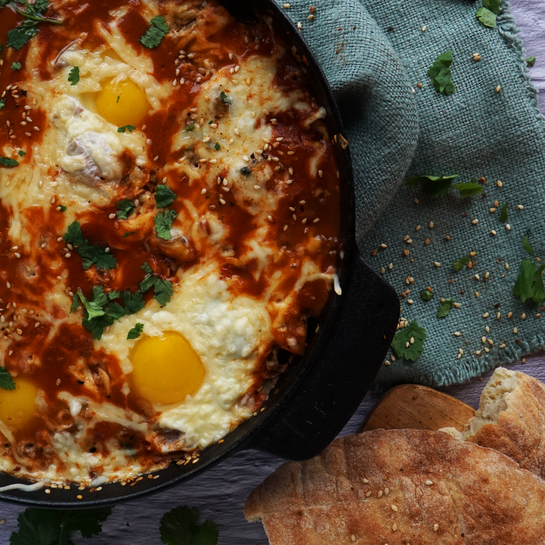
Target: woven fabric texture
[375,53]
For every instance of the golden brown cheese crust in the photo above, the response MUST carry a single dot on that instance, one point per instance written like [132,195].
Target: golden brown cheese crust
[401,487]
[289,205]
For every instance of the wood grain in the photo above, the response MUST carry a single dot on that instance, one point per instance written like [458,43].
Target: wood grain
[417,407]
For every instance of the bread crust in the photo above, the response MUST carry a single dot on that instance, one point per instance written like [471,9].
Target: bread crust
[371,489]
[519,430]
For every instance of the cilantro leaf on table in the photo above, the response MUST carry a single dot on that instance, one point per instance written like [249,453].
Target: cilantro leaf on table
[526,243]
[402,345]
[440,74]
[468,189]
[135,332]
[444,308]
[461,263]
[427,295]
[180,527]
[53,527]
[157,30]
[436,186]
[504,215]
[162,289]
[486,17]
[73,77]
[529,283]
[8,163]
[164,196]
[492,5]
[125,208]
[91,255]
[6,382]
[530,61]
[163,223]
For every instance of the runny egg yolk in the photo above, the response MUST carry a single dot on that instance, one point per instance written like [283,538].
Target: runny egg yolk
[166,369]
[19,405]
[122,103]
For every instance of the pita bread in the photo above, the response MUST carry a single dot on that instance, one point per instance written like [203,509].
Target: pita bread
[401,487]
[511,419]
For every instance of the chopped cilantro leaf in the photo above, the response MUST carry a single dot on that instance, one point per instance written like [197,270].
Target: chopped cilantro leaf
[436,186]
[128,234]
[486,17]
[440,74]
[163,223]
[164,196]
[8,163]
[246,171]
[62,208]
[427,295]
[91,255]
[530,61]
[468,189]
[73,77]
[114,294]
[162,289]
[125,208]
[2,103]
[526,243]
[210,122]
[19,36]
[133,302]
[96,326]
[180,527]
[157,30]
[217,147]
[118,99]
[41,5]
[48,526]
[461,263]
[6,382]
[444,308]
[492,5]
[129,128]
[529,283]
[402,345]
[22,153]
[94,308]
[190,127]
[16,66]
[504,215]
[135,332]
[225,99]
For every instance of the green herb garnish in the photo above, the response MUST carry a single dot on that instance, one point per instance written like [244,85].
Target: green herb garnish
[91,255]
[163,223]
[158,29]
[246,171]
[225,99]
[180,527]
[16,66]
[461,263]
[162,289]
[427,295]
[504,215]
[444,308]
[164,196]
[217,147]
[8,163]
[530,61]
[62,208]
[73,77]
[125,208]
[402,345]
[129,128]
[436,186]
[487,14]
[22,153]
[440,74]
[6,382]
[468,189]
[526,243]
[529,283]
[135,332]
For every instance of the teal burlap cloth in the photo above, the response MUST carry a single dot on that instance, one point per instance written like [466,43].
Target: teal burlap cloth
[374,53]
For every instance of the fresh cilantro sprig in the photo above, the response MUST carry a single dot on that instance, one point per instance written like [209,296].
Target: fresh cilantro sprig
[33,14]
[180,527]
[487,14]
[6,382]
[408,343]
[91,255]
[8,163]
[440,74]
[164,196]
[54,527]
[529,283]
[125,208]
[135,332]
[73,76]
[444,308]
[162,289]
[158,29]
[163,223]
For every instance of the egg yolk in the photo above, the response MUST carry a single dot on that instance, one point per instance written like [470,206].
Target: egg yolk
[166,369]
[122,103]
[19,405]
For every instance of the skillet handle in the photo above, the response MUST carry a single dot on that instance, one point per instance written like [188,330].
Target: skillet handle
[345,370]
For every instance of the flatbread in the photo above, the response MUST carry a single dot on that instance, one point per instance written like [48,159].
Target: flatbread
[401,487]
[511,419]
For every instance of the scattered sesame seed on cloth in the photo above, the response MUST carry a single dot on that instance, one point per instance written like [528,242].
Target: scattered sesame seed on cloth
[376,54]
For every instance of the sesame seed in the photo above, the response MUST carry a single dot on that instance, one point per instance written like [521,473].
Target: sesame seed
[79,496]
[47,491]
[499,183]
[457,334]
[510,314]
[383,246]
[474,222]
[523,315]
[437,264]
[498,88]
[515,330]
[431,225]
[380,493]
[394,508]
[429,483]
[436,527]
[486,315]
[394,527]
[520,207]
[424,28]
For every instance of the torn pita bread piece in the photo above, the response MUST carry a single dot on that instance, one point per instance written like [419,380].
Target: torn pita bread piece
[511,419]
[400,487]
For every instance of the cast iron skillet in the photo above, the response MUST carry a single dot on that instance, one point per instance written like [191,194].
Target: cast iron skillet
[319,391]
